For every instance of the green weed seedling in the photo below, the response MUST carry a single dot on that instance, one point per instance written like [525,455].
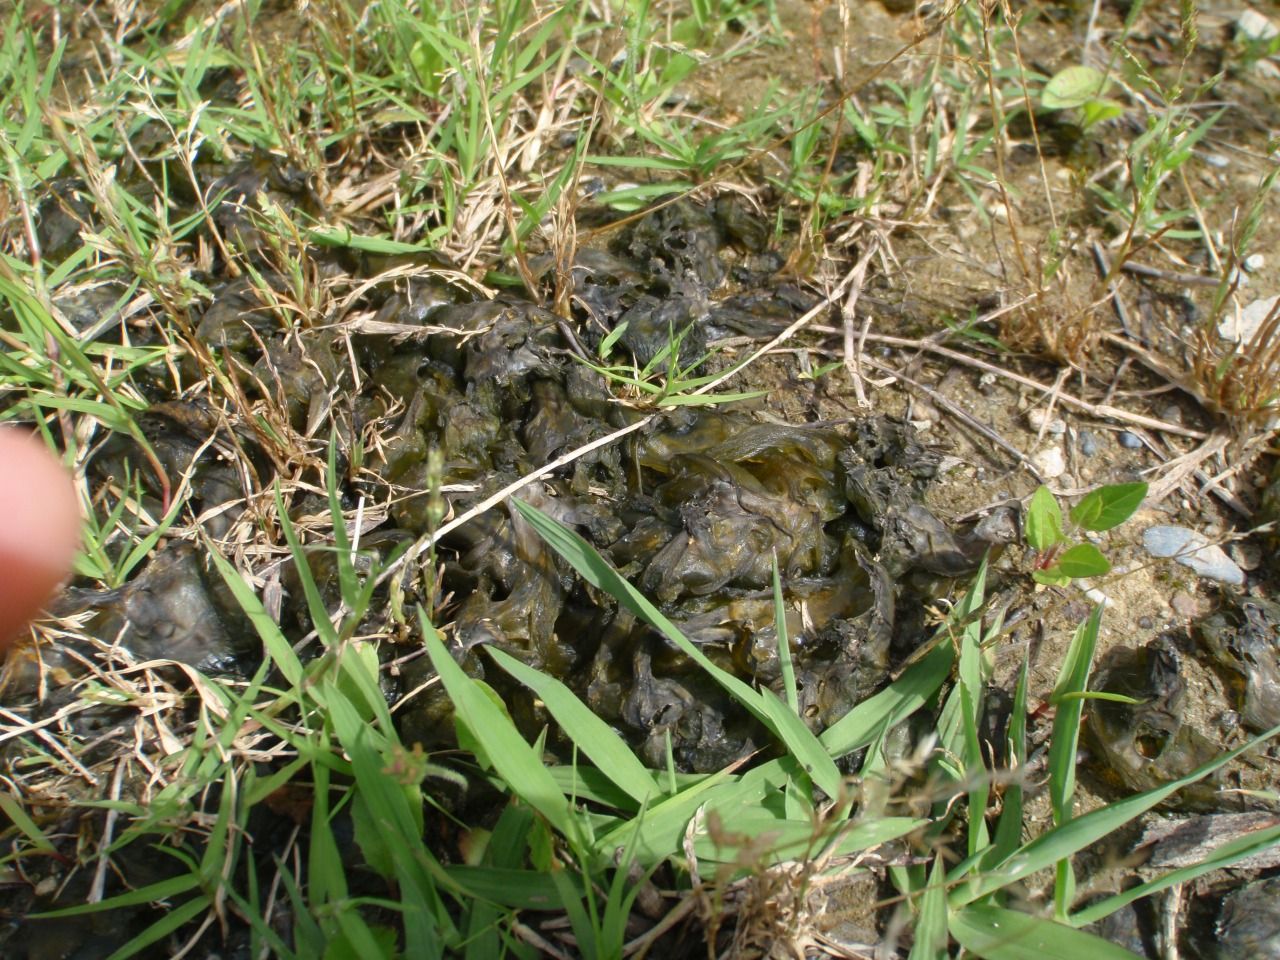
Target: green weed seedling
[1060,560]
[1081,88]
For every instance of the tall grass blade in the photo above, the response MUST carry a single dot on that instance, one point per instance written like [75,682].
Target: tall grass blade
[784,642]
[766,707]
[1225,855]
[592,735]
[995,933]
[1073,678]
[512,757]
[931,922]
[870,719]
[1073,836]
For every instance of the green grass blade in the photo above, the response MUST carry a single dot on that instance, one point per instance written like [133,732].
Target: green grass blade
[592,735]
[870,719]
[507,887]
[1072,679]
[1074,835]
[746,829]
[277,647]
[766,707]
[662,826]
[152,893]
[784,642]
[315,603]
[931,923]
[171,921]
[1225,855]
[12,808]
[513,758]
[396,808]
[995,933]
[1008,833]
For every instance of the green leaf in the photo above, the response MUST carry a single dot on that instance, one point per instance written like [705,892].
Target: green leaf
[1109,506]
[606,345]
[517,889]
[999,934]
[870,719]
[1053,577]
[11,806]
[709,399]
[1083,560]
[1223,856]
[1044,520]
[751,829]
[784,642]
[1073,87]
[343,237]
[662,827]
[1098,111]
[1009,830]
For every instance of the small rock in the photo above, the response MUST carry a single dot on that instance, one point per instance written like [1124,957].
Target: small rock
[1248,556]
[1041,422]
[1171,413]
[1098,598]
[1251,25]
[1254,262]
[1185,605]
[1050,463]
[1192,550]
[1229,721]
[1130,441]
[1088,443]
[1146,623]
[999,526]
[1217,160]
[1242,327]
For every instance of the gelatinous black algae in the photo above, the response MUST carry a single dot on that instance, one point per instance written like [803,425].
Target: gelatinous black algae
[694,508]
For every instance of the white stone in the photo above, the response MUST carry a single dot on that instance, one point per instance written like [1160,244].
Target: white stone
[1041,421]
[1241,327]
[1254,26]
[1050,463]
[1254,262]
[1098,597]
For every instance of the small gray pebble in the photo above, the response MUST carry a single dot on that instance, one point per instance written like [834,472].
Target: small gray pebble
[1000,526]
[1146,623]
[1130,441]
[1192,550]
[1088,443]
